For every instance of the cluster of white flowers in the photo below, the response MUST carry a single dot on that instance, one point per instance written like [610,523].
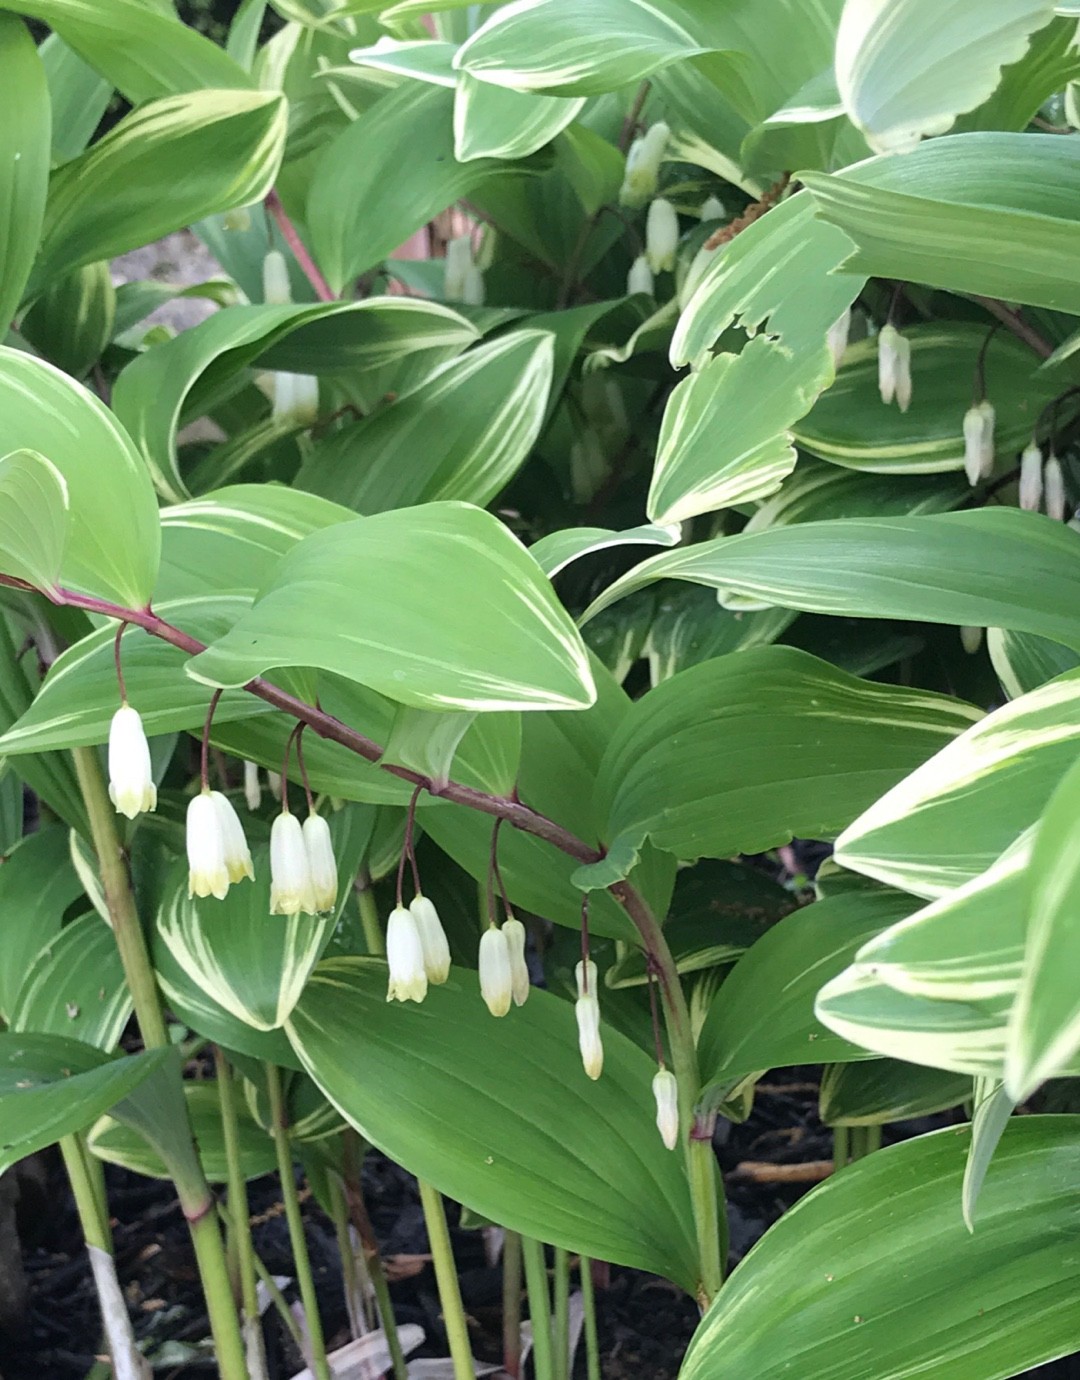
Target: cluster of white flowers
[303,870]
[894,367]
[979,441]
[1042,483]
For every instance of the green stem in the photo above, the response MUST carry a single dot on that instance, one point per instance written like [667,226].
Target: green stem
[536,1283]
[561,1320]
[239,1216]
[457,1330]
[301,1260]
[95,1226]
[369,916]
[707,1202]
[195,1197]
[339,1214]
[279,1301]
[588,1300]
[841,1147]
[873,1138]
[512,1304]
[362,1222]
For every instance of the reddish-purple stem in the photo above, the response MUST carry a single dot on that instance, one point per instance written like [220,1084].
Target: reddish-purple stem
[310,268]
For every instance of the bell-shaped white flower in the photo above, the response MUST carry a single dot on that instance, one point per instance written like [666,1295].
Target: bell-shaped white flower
[458,261]
[296,398]
[474,291]
[276,289]
[970,638]
[640,277]
[252,786]
[712,208]
[321,862]
[208,872]
[1054,488]
[496,981]
[587,1010]
[238,862]
[979,441]
[131,784]
[432,939]
[837,338]
[290,870]
[1031,478]
[514,932]
[643,165]
[666,1091]
[273,780]
[405,955]
[894,367]
[661,235]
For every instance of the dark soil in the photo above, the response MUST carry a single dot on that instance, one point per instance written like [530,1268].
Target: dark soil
[644,1323]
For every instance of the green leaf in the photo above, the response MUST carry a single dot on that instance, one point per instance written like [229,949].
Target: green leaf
[604,1186]
[429,60]
[741,753]
[559,549]
[1044,1030]
[398,155]
[79,97]
[462,435]
[884,1090]
[37,884]
[907,69]
[426,579]
[143,51]
[950,820]
[928,569]
[116,1143]
[987,213]
[165,165]
[599,45]
[34,519]
[25,130]
[186,376]
[850,426]
[993,1108]
[822,1292]
[783,270]
[491,122]
[725,436]
[76,987]
[113,547]
[230,541]
[51,1087]
[251,963]
[1023,661]
[73,320]
[763,1017]
[816,491]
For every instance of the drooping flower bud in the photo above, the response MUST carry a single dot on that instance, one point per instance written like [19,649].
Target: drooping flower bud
[432,939]
[640,277]
[405,955]
[237,220]
[712,208]
[458,261]
[296,398]
[208,872]
[971,639]
[474,291]
[1054,488]
[238,862]
[290,870]
[661,235]
[894,367]
[837,338]
[131,783]
[587,1010]
[666,1091]
[1031,478]
[643,165]
[514,932]
[496,981]
[252,786]
[321,862]
[978,441]
[273,780]
[276,289]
